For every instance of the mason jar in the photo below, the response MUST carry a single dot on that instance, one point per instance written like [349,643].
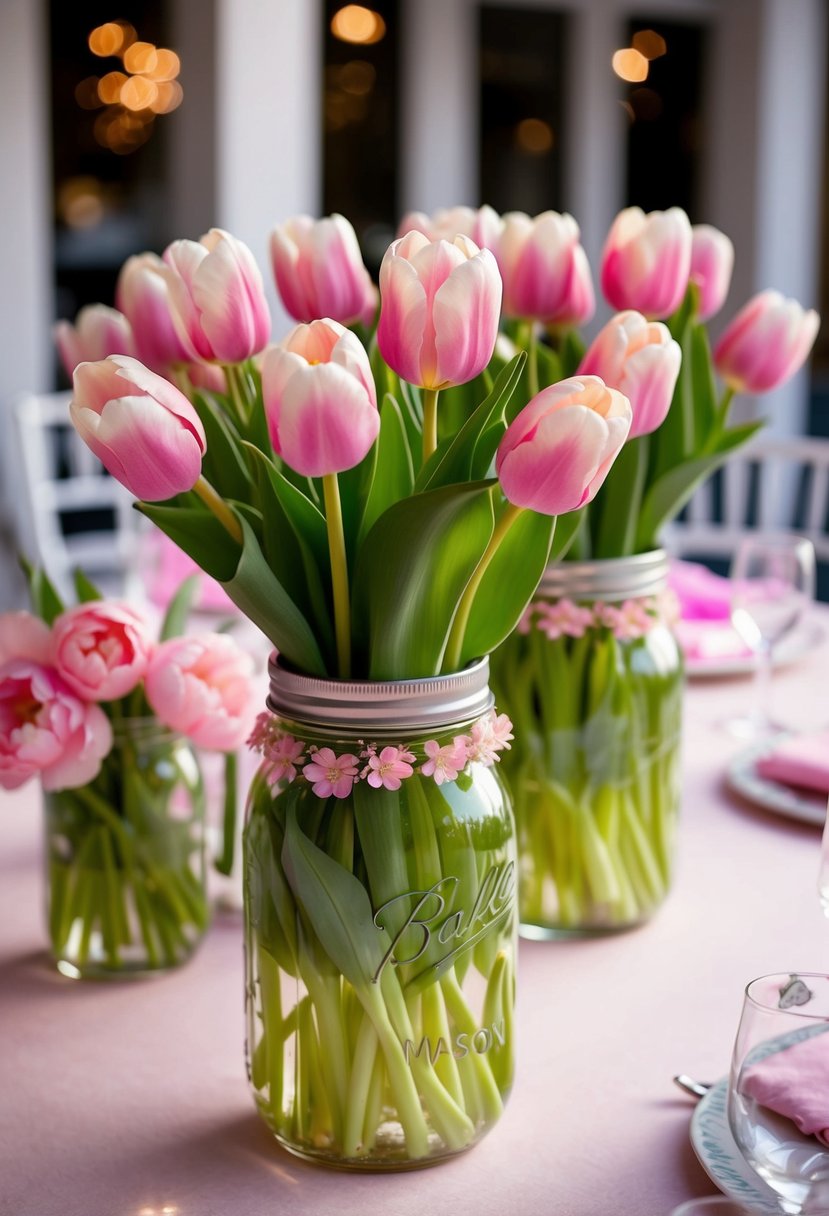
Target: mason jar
[593,681]
[380,918]
[125,859]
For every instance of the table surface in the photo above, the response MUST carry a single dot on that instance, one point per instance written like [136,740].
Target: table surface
[130,1099]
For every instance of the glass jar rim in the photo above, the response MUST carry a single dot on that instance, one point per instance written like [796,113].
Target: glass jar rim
[786,978]
[146,729]
[431,701]
[612,578]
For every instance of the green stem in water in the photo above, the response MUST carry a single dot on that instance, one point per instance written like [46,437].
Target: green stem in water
[217,505]
[725,402]
[238,391]
[339,573]
[532,359]
[454,646]
[224,863]
[430,421]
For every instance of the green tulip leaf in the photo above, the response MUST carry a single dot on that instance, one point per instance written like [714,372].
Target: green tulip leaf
[570,353]
[411,572]
[223,464]
[85,589]
[705,391]
[567,527]
[178,610]
[46,603]
[393,472]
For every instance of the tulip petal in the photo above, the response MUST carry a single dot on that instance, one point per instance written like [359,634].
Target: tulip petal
[552,473]
[402,317]
[327,423]
[466,312]
[229,294]
[145,447]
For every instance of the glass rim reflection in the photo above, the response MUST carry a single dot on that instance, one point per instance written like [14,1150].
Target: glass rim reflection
[786,977]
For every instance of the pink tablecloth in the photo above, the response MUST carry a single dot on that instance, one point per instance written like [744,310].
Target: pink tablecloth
[128,1099]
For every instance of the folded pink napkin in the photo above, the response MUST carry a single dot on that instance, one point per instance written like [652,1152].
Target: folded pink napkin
[795,1083]
[709,641]
[799,760]
[702,595]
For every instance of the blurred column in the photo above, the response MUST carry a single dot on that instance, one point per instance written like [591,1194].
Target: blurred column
[191,145]
[439,102]
[268,127]
[27,298]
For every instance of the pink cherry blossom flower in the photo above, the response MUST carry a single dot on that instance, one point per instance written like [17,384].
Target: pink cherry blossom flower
[525,624]
[501,730]
[389,768]
[444,763]
[283,754]
[563,619]
[331,774]
[607,616]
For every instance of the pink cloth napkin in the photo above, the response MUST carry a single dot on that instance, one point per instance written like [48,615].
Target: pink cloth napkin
[795,1083]
[708,641]
[169,567]
[702,595]
[799,760]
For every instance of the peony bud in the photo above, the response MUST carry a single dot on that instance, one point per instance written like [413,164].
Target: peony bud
[647,261]
[141,428]
[556,454]
[143,295]
[641,360]
[320,399]
[440,305]
[319,270]
[545,270]
[202,686]
[217,298]
[766,343]
[101,650]
[98,331]
[712,260]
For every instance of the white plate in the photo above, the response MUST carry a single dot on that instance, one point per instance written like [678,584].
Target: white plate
[799,643]
[809,806]
[722,1160]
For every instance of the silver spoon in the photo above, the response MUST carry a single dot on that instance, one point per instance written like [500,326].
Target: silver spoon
[696,1088]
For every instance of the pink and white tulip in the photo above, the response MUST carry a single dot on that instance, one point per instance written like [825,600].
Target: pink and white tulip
[141,428]
[217,298]
[101,650]
[143,295]
[641,360]
[766,344]
[23,636]
[556,454]
[442,225]
[202,686]
[647,261]
[440,303]
[319,270]
[98,331]
[544,268]
[712,261]
[320,399]
[46,731]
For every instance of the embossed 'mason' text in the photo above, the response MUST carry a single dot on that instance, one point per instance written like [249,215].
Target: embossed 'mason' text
[461,1045]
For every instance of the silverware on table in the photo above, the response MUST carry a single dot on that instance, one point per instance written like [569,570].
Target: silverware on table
[697,1089]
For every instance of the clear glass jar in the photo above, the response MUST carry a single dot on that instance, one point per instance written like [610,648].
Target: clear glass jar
[380,921]
[593,681]
[125,866]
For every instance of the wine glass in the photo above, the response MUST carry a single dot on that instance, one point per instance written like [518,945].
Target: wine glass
[779,1012]
[823,874]
[773,580]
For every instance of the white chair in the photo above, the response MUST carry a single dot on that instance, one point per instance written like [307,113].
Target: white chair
[71,512]
[773,484]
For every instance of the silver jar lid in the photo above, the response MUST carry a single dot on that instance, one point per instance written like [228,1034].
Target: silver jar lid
[371,705]
[611,579]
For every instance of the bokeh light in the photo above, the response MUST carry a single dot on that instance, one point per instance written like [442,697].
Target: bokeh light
[169,97]
[167,65]
[106,39]
[630,65]
[355,23]
[534,136]
[650,44]
[141,57]
[86,93]
[138,93]
[109,87]
[357,77]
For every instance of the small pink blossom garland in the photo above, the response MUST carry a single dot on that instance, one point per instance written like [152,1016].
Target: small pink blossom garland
[628,621]
[332,775]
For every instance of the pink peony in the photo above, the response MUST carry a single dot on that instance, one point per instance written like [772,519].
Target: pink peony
[202,686]
[46,731]
[23,636]
[101,650]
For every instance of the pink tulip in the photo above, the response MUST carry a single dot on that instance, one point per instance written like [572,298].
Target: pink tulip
[141,428]
[558,451]
[202,687]
[440,305]
[766,343]
[217,298]
[143,295]
[320,399]
[442,225]
[641,360]
[23,636]
[98,331]
[545,270]
[319,270]
[647,261]
[101,650]
[712,260]
[46,731]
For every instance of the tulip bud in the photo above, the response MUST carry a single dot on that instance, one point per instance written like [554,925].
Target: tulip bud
[143,295]
[442,225]
[766,343]
[320,400]
[217,298]
[641,360]
[319,270]
[98,331]
[556,454]
[712,261]
[545,270]
[141,428]
[439,310]
[647,261]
